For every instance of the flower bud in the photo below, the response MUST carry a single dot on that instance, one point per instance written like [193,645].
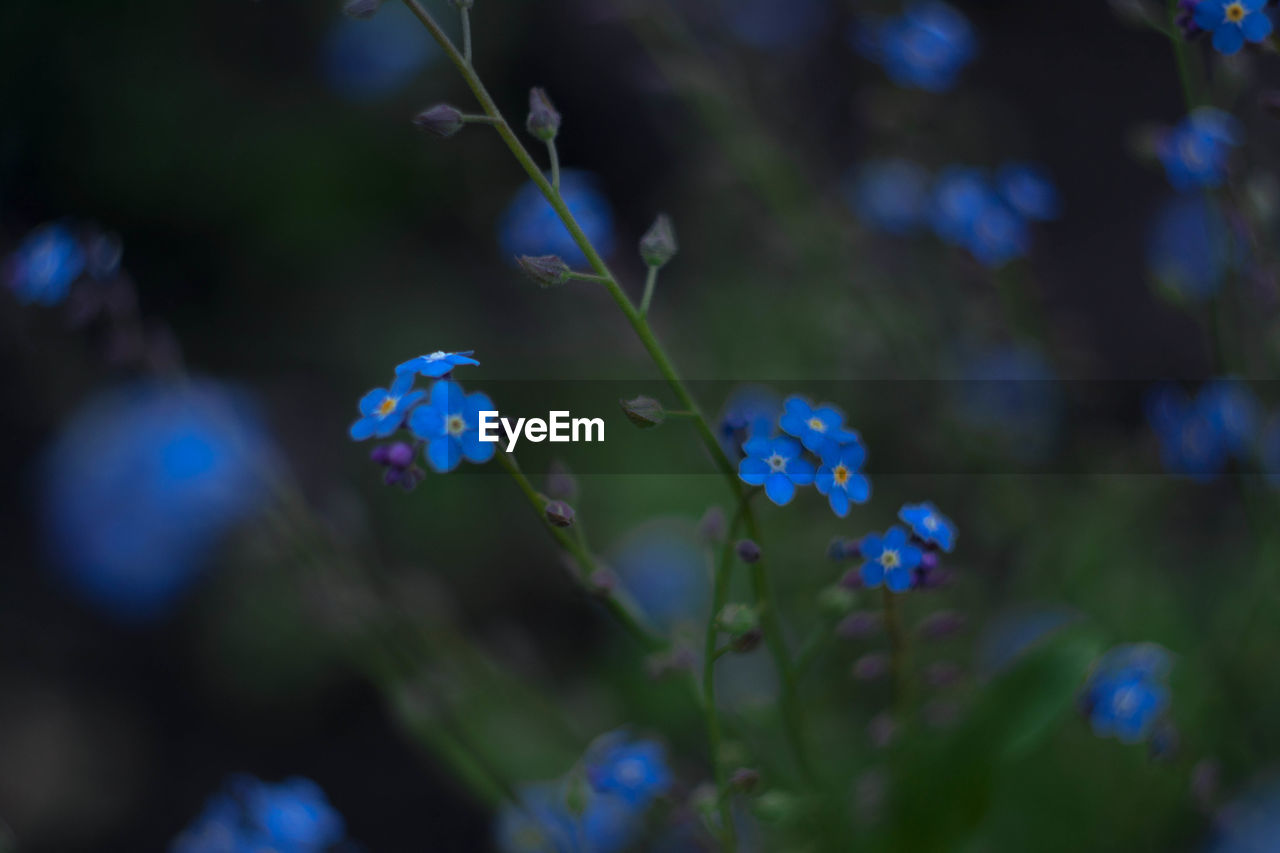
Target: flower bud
[400,455]
[744,779]
[602,583]
[860,625]
[737,619]
[748,551]
[559,513]
[546,270]
[543,121]
[941,623]
[836,549]
[852,579]
[871,666]
[441,119]
[836,600]
[658,245]
[361,9]
[644,412]
[713,526]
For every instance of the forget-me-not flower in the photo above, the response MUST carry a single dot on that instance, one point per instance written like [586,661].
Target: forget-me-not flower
[817,428]
[635,770]
[1191,248]
[450,425]
[543,823]
[436,364]
[891,194]
[382,410]
[1195,153]
[1029,190]
[249,815]
[840,478]
[1126,693]
[43,267]
[531,226]
[924,48]
[778,464]
[1233,22]
[929,525]
[750,410]
[890,560]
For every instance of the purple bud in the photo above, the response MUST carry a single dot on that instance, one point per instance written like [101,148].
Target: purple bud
[860,624]
[851,579]
[744,779]
[871,666]
[602,583]
[658,245]
[546,270]
[543,121]
[748,551]
[929,560]
[442,120]
[941,623]
[836,549]
[748,641]
[644,412]
[400,455]
[559,513]
[381,454]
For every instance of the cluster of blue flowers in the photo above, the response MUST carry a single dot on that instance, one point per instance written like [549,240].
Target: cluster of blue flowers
[53,257]
[814,449]
[141,485]
[1197,151]
[250,815]
[923,48]
[1127,693]
[442,420]
[530,226]
[600,806]
[987,215]
[1198,435]
[901,559]
[1231,22]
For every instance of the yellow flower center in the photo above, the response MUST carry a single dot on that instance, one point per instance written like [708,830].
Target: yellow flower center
[1235,12]
[840,474]
[889,559]
[817,425]
[455,425]
[387,406]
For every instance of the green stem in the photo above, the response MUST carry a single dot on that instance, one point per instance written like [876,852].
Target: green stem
[554,154]
[650,282]
[898,651]
[466,34]
[1180,57]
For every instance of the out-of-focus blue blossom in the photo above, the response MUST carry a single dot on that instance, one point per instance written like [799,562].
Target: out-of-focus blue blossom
[1196,152]
[968,212]
[437,364]
[1126,695]
[924,48]
[840,478]
[890,560]
[530,225]
[1009,392]
[635,770]
[775,24]
[750,410]
[997,235]
[930,525]
[43,267]
[382,410]
[251,816]
[817,428]
[1232,408]
[1233,22]
[142,483]
[1198,434]
[892,195]
[1191,249]
[543,823]
[1029,190]
[662,567]
[450,425]
[377,56]
[1012,634]
[1250,823]
[777,464]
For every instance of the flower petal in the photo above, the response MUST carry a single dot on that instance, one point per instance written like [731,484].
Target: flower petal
[780,489]
[872,574]
[371,401]
[753,471]
[1256,26]
[444,453]
[858,489]
[362,429]
[1228,39]
[871,546]
[898,579]
[800,470]
[475,450]
[839,501]
[824,480]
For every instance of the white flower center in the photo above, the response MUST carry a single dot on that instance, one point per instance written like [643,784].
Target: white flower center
[630,772]
[890,559]
[930,523]
[437,355]
[777,462]
[817,425]
[455,425]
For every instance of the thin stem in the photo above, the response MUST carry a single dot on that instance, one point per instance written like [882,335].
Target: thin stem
[898,651]
[586,276]
[650,282]
[554,154]
[466,34]
[1180,57]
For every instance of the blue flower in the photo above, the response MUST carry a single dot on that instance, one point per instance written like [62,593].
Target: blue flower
[891,195]
[1250,823]
[660,566]
[382,410]
[1233,410]
[449,424]
[778,465]
[634,770]
[1029,190]
[1196,152]
[817,428]
[1191,248]
[141,485]
[775,24]
[960,194]
[370,58]
[750,410]
[930,525]
[925,48]
[45,264]
[249,816]
[890,560]
[997,234]
[436,364]
[1233,22]
[1125,694]
[1192,442]
[542,823]
[530,226]
[839,477]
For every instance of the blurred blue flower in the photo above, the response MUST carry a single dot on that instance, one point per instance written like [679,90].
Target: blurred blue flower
[997,234]
[43,267]
[661,566]
[960,194]
[382,410]
[1011,393]
[1126,693]
[1251,822]
[530,225]
[543,823]
[141,484]
[634,770]
[250,816]
[1192,440]
[750,410]
[775,24]
[437,364]
[840,478]
[1191,249]
[890,560]
[1028,189]
[1195,153]
[930,525]
[450,425]
[817,428]
[924,48]
[892,194]
[377,56]
[1233,22]
[1232,408]
[778,465]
